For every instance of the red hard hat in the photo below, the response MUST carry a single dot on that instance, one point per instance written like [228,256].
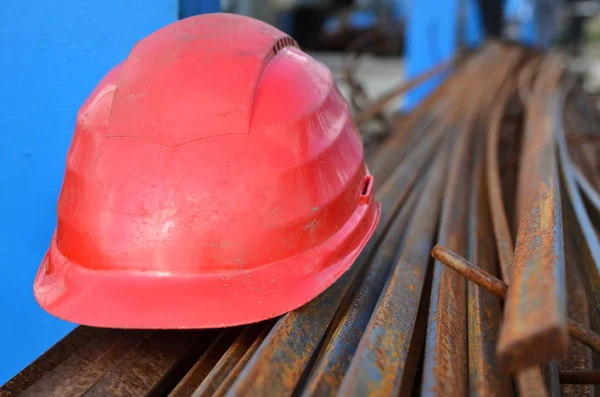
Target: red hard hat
[215,178]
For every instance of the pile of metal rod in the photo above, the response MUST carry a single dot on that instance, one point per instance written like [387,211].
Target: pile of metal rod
[497,172]
[509,189]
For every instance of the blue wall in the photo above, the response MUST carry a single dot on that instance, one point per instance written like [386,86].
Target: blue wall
[53,54]
[431,38]
[188,8]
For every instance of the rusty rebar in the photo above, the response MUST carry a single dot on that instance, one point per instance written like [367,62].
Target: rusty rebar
[580,377]
[484,310]
[379,366]
[530,382]
[369,112]
[534,327]
[497,287]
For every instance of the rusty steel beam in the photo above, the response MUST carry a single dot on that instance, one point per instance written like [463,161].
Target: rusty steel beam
[534,328]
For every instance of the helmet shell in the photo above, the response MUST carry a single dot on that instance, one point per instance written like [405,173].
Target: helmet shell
[215,178]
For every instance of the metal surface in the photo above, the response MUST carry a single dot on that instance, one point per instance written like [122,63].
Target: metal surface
[500,289]
[484,311]
[529,382]
[534,327]
[381,359]
[332,363]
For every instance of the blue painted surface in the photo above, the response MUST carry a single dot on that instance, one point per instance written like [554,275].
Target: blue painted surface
[528,27]
[188,8]
[431,38]
[522,12]
[473,24]
[53,54]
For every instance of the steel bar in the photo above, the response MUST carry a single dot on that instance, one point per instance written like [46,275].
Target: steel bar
[86,367]
[445,353]
[582,235]
[147,369]
[436,105]
[534,328]
[330,367]
[530,382]
[580,377]
[484,311]
[48,361]
[209,358]
[579,356]
[497,287]
[282,358]
[239,366]
[379,364]
[369,112]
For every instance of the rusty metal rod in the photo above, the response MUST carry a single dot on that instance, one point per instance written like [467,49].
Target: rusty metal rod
[330,368]
[379,366]
[530,382]
[377,107]
[483,309]
[497,287]
[580,377]
[534,327]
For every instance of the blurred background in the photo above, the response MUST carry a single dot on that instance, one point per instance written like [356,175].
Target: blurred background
[54,52]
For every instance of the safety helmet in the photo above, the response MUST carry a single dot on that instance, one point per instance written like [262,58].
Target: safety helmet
[215,178]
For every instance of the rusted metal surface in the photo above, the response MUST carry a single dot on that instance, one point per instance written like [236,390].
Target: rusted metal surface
[331,365]
[209,358]
[529,382]
[484,311]
[237,369]
[380,365]
[445,364]
[534,328]
[578,357]
[580,222]
[87,366]
[500,289]
[281,360]
[580,377]
[230,358]
[503,148]
[56,355]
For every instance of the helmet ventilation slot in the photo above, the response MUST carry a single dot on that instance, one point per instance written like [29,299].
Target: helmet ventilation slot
[366,186]
[284,42]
